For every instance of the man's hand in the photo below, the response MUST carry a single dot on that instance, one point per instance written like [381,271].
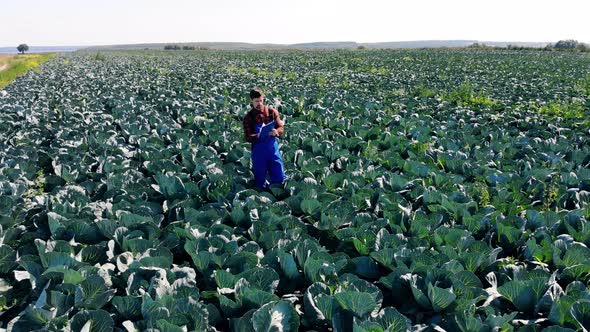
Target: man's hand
[274,132]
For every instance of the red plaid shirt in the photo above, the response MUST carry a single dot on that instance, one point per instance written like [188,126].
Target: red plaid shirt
[254,117]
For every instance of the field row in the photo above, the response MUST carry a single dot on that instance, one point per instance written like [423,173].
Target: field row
[426,189]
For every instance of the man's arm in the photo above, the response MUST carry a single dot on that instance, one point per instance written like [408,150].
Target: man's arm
[249,133]
[278,123]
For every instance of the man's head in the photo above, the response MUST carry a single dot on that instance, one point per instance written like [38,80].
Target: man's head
[257,98]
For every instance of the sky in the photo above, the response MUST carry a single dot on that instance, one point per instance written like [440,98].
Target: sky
[109,22]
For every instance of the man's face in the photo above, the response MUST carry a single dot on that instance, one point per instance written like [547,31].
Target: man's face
[257,103]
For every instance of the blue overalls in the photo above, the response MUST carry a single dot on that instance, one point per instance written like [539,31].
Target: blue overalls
[266,158]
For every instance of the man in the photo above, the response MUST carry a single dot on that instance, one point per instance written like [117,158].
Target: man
[266,157]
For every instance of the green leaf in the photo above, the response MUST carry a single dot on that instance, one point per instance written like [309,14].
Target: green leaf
[556,328]
[94,255]
[359,303]
[314,310]
[288,266]
[100,321]
[304,250]
[265,279]
[575,272]
[385,257]
[171,187]
[538,253]
[68,275]
[326,304]
[392,321]
[508,236]
[419,295]
[360,246]
[224,279]
[310,206]
[520,294]
[241,262]
[7,259]
[164,326]
[6,205]
[62,302]
[576,255]
[467,279]
[333,181]
[319,267]
[500,322]
[244,323]
[365,267]
[577,289]
[152,311]
[366,326]
[581,312]
[202,260]
[276,316]
[32,319]
[129,307]
[440,298]
[388,319]
[92,293]
[73,277]
[238,216]
[58,259]
[255,298]
[467,322]
[159,257]
[227,306]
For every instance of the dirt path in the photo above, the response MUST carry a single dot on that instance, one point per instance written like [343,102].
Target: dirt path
[4,60]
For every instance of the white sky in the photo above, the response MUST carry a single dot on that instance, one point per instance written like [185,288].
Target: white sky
[105,22]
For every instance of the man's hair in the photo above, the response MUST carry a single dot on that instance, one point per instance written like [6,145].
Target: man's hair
[256,93]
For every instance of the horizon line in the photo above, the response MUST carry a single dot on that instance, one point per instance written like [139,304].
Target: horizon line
[288,44]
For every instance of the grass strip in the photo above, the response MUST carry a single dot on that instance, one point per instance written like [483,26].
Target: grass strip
[16,65]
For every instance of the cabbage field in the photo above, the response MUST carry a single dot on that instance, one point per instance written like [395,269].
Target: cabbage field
[427,190]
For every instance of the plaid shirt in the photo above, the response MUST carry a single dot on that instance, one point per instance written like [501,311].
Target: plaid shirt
[254,117]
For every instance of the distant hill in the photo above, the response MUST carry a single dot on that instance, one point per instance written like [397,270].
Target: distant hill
[210,45]
[325,45]
[525,44]
[421,44]
[449,43]
[321,45]
[268,46]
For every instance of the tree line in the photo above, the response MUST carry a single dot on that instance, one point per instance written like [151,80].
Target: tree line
[175,47]
[562,45]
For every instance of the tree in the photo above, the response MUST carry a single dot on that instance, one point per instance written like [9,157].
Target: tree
[22,48]
[569,44]
[172,47]
[583,47]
